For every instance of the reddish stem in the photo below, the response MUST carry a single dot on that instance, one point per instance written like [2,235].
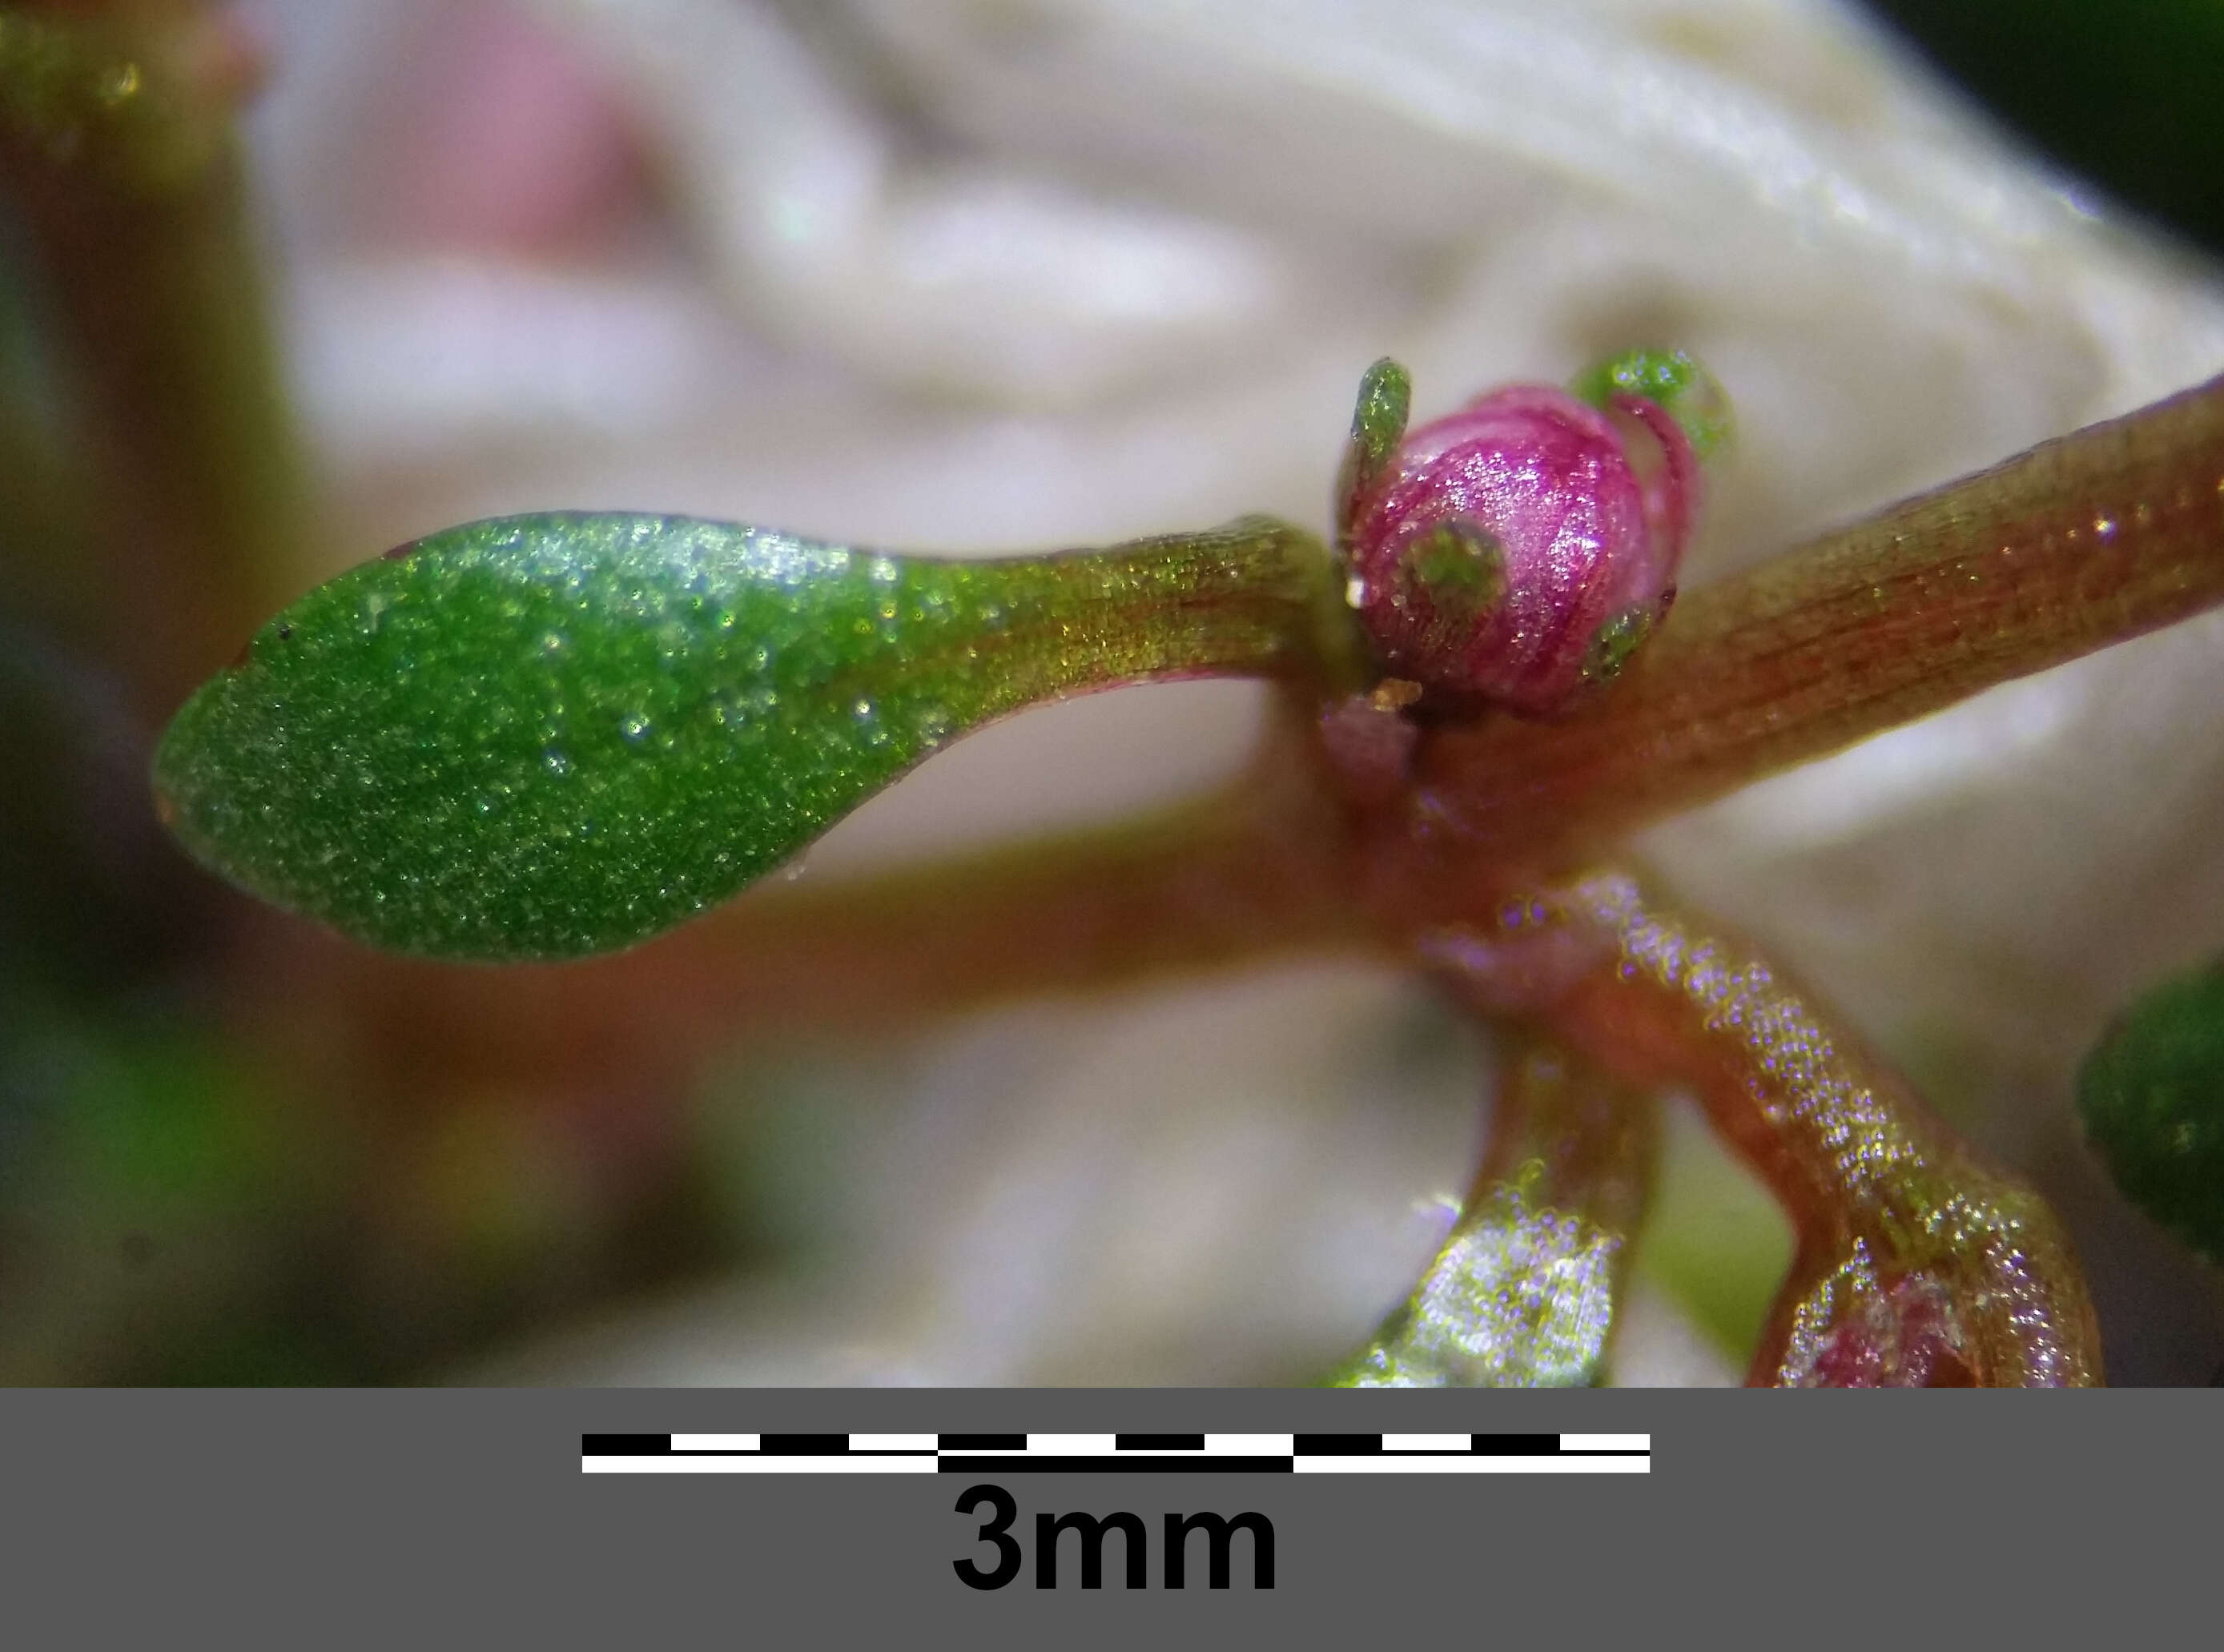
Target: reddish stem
[1242,875]
[137,228]
[2083,542]
[1917,1265]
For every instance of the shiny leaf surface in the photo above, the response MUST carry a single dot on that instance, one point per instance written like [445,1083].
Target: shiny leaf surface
[544,736]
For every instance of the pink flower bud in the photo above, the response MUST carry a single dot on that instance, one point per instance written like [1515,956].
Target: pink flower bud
[1521,548]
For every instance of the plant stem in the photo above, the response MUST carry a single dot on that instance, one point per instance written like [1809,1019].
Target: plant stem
[1244,874]
[2089,540]
[1247,873]
[1918,1264]
[1252,597]
[117,152]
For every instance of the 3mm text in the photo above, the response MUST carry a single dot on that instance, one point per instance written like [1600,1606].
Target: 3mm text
[1219,1532]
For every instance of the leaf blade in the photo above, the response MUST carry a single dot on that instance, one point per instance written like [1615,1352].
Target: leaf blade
[545,736]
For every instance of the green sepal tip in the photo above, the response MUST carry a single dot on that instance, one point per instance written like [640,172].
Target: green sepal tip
[1691,394]
[1378,422]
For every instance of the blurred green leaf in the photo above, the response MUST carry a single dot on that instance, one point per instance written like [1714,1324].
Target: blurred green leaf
[1717,1245]
[544,736]
[2151,1094]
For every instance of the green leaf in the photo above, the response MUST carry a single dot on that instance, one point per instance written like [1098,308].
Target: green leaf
[1523,1296]
[545,736]
[1525,1292]
[2151,1094]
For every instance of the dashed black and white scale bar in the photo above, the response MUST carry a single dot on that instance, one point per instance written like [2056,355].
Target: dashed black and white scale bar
[1116,1453]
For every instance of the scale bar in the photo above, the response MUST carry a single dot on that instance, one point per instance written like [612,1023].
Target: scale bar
[1133,1462]
[1116,1454]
